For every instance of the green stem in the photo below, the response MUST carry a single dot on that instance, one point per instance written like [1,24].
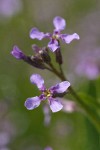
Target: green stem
[91,115]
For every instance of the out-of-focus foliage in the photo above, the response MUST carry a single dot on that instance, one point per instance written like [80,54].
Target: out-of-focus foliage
[21,129]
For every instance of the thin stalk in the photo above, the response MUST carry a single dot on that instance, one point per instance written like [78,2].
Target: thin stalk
[54,70]
[48,69]
[91,115]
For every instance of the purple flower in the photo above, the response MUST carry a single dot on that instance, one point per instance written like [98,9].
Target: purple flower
[48,148]
[17,53]
[59,24]
[47,115]
[55,104]
[88,64]
[9,8]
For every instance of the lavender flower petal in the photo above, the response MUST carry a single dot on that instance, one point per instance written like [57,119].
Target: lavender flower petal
[53,45]
[38,80]
[36,34]
[17,53]
[48,35]
[68,38]
[32,102]
[59,23]
[60,87]
[55,104]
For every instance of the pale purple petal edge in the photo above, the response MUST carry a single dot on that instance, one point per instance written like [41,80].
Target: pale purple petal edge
[36,34]
[59,23]
[38,80]
[55,104]
[32,103]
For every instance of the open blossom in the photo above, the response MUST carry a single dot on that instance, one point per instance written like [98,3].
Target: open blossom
[55,104]
[59,24]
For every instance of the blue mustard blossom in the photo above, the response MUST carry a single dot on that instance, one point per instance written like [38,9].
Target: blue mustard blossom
[55,104]
[59,24]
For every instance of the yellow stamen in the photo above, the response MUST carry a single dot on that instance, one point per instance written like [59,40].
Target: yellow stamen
[47,93]
[55,37]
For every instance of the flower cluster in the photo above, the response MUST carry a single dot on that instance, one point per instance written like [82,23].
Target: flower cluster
[38,60]
[41,54]
[42,60]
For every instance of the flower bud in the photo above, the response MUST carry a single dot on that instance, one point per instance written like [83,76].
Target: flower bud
[58,56]
[35,61]
[45,55]
[17,53]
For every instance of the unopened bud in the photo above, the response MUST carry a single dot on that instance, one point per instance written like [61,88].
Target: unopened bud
[17,53]
[42,53]
[58,56]
[45,55]
[35,61]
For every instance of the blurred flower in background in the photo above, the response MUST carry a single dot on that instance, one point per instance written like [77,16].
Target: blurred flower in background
[47,115]
[7,129]
[8,8]
[69,106]
[48,148]
[89,64]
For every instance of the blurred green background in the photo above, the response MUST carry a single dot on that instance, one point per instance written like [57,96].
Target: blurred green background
[21,129]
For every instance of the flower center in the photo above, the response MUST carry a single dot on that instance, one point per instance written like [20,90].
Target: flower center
[47,93]
[55,36]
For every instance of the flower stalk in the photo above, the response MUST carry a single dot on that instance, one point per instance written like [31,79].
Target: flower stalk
[42,60]
[95,120]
